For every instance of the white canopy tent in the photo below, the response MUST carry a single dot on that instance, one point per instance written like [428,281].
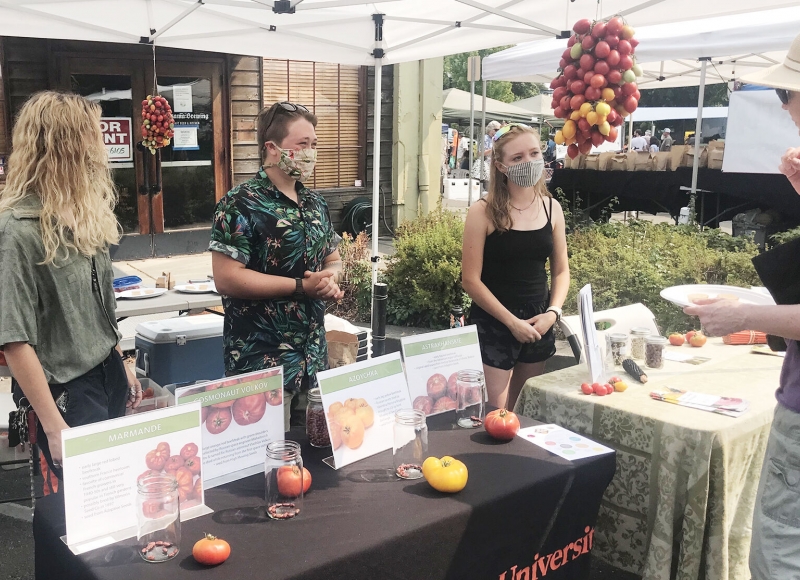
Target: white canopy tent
[456,106]
[354,32]
[676,55]
[539,105]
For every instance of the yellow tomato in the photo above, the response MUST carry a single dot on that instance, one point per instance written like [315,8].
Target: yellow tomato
[446,474]
[604,109]
[559,138]
[608,95]
[575,116]
[569,129]
[586,108]
[601,119]
[604,128]
[591,118]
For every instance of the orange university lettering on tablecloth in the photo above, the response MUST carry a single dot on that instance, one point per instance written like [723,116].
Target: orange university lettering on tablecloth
[543,564]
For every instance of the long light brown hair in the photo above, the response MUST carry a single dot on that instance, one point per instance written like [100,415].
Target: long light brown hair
[58,156]
[498,201]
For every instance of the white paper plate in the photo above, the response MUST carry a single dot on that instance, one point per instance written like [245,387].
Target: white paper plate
[141,293]
[684,295]
[204,288]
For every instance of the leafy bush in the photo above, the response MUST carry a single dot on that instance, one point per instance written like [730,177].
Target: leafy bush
[787,236]
[356,279]
[424,274]
[634,262]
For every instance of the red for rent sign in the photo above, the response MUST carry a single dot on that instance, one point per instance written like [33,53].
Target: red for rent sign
[117,138]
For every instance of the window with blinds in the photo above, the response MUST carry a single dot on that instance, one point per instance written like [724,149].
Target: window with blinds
[334,94]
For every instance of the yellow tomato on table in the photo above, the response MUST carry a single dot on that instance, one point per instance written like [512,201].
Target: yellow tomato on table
[446,474]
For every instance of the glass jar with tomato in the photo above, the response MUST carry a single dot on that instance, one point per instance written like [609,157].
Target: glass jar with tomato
[158,517]
[410,447]
[470,397]
[286,480]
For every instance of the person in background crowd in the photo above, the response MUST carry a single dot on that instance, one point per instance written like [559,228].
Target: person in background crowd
[690,140]
[666,140]
[639,143]
[775,545]
[550,151]
[508,238]
[653,145]
[57,325]
[275,260]
[480,168]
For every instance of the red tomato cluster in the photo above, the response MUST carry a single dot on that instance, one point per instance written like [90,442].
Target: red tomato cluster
[184,466]
[596,88]
[597,389]
[157,123]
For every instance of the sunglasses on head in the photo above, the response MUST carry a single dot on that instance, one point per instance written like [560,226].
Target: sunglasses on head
[506,128]
[783,95]
[285,106]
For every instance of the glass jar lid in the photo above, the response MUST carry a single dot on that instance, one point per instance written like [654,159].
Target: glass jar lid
[640,331]
[314,395]
[618,337]
[283,450]
[657,340]
[410,417]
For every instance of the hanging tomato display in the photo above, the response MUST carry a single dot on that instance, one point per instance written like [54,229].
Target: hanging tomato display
[157,123]
[596,85]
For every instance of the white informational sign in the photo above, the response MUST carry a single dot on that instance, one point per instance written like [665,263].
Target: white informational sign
[185,138]
[562,442]
[594,358]
[360,401]
[759,132]
[117,138]
[432,362]
[182,98]
[240,416]
[103,462]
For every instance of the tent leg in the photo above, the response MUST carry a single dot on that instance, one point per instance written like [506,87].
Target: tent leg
[376,166]
[698,140]
[471,136]
[482,144]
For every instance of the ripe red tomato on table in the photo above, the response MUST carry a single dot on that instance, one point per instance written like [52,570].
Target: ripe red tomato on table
[502,424]
[211,550]
[289,481]
[249,409]
[599,390]
[587,389]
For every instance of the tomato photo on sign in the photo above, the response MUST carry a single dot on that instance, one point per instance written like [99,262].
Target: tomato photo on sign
[274,397]
[157,458]
[173,463]
[189,450]
[249,409]
[218,420]
[185,481]
[289,481]
[193,465]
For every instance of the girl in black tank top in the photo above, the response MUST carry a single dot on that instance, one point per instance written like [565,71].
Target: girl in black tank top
[504,254]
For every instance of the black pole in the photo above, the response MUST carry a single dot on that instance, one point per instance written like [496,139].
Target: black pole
[379,294]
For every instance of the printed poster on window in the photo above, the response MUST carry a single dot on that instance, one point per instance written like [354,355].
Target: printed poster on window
[360,401]
[185,138]
[182,98]
[103,463]
[240,416]
[432,362]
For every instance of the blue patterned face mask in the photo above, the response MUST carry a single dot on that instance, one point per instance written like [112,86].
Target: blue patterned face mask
[526,174]
[298,164]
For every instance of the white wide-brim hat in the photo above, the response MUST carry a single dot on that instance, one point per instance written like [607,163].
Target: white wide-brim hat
[781,76]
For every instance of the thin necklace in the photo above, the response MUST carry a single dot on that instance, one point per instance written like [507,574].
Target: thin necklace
[524,208]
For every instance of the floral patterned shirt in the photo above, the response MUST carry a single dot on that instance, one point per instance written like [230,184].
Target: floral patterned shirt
[263,229]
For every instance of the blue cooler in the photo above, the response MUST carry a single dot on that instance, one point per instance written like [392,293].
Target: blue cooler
[180,350]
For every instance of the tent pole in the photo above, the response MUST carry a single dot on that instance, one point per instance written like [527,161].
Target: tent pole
[376,169]
[698,140]
[482,144]
[471,136]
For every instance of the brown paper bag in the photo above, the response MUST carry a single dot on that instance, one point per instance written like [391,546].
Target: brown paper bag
[715,158]
[677,156]
[661,161]
[604,160]
[592,161]
[342,348]
[692,151]
[642,161]
[619,162]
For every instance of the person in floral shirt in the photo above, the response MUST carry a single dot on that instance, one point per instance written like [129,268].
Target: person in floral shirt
[275,260]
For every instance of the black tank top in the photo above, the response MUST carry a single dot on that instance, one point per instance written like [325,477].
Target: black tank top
[514,260]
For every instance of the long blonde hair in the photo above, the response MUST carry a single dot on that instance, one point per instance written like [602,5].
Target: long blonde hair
[498,201]
[58,156]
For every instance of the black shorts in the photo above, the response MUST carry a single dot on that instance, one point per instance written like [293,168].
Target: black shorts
[499,348]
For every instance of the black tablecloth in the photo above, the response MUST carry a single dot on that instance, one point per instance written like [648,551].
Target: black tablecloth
[659,191]
[521,503]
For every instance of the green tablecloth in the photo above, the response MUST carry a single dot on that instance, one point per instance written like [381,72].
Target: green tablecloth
[681,502]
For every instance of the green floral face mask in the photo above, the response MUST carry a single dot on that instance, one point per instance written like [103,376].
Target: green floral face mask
[298,165]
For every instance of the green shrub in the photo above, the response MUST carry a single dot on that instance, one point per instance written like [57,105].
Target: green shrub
[424,274]
[356,279]
[632,263]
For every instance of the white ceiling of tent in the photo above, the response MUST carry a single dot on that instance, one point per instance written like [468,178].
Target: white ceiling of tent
[338,30]
[737,44]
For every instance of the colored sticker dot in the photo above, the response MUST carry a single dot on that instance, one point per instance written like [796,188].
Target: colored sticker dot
[568,452]
[566,445]
[598,449]
[550,442]
[582,445]
[574,438]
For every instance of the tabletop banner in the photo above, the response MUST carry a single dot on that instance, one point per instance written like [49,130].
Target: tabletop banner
[594,358]
[240,416]
[432,362]
[104,461]
[360,401]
